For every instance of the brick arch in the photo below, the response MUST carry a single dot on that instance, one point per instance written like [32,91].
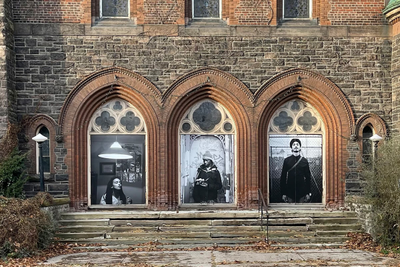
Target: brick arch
[235,97]
[376,123]
[336,114]
[83,101]
[35,123]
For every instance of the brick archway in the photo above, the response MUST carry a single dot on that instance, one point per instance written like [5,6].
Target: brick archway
[88,95]
[207,83]
[336,114]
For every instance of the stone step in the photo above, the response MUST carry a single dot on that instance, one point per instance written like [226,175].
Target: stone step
[202,234]
[134,215]
[330,221]
[188,229]
[229,214]
[207,228]
[91,222]
[288,221]
[327,227]
[193,242]
[333,233]
[310,213]
[310,239]
[156,235]
[85,229]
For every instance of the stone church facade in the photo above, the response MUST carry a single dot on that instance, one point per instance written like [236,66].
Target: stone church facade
[174,79]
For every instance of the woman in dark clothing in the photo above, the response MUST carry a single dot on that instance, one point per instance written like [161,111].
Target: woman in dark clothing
[207,182]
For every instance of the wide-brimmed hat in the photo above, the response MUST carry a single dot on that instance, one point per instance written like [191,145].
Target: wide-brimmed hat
[207,155]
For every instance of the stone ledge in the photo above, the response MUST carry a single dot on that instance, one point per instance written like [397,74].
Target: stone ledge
[22,29]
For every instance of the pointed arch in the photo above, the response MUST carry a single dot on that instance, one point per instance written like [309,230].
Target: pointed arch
[375,121]
[336,114]
[87,96]
[34,125]
[198,85]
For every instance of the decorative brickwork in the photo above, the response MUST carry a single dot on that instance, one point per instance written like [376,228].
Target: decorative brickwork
[163,12]
[254,12]
[356,12]
[43,11]
[243,12]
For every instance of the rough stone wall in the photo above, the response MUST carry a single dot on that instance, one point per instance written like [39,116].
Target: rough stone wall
[359,66]
[7,67]
[356,12]
[43,11]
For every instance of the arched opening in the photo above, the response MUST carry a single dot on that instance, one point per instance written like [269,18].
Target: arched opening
[335,113]
[207,154]
[295,140]
[84,100]
[117,122]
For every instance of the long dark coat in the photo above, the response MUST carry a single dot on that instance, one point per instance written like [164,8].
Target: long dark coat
[213,179]
[295,183]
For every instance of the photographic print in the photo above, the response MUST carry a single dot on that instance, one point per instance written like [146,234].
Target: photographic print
[295,168]
[207,169]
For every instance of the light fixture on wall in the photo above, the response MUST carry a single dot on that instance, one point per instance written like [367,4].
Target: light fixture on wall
[115,152]
[375,139]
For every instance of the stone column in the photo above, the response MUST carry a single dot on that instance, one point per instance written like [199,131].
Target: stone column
[392,13]
[7,67]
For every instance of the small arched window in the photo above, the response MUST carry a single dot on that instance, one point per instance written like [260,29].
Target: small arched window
[45,151]
[367,144]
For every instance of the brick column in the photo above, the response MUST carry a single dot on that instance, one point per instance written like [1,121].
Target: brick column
[396,78]
[7,67]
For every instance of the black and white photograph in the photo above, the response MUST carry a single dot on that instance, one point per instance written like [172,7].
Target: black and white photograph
[295,169]
[207,169]
[121,178]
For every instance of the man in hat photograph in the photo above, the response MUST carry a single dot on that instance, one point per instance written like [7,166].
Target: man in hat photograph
[295,180]
[207,181]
